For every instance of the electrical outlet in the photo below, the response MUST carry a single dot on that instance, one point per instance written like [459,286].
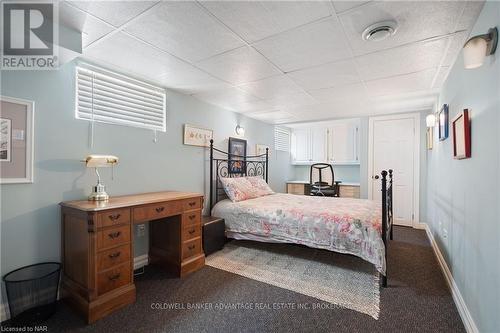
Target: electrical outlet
[141,230]
[445,233]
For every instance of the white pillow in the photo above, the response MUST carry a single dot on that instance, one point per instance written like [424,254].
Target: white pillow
[260,186]
[239,189]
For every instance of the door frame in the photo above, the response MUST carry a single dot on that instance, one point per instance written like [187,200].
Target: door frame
[416,158]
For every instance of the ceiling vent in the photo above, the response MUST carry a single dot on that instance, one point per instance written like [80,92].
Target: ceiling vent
[380,31]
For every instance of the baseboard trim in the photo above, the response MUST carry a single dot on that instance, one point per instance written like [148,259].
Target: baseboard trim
[141,261]
[470,325]
[420,225]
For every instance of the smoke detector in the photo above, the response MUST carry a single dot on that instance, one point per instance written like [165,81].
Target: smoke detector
[380,31]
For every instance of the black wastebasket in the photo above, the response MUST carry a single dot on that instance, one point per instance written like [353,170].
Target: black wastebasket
[32,292]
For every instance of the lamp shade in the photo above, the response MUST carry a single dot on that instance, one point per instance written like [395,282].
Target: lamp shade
[430,120]
[475,52]
[100,161]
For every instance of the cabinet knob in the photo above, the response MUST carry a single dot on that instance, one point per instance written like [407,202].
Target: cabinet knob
[114,277]
[191,247]
[160,209]
[114,255]
[114,217]
[114,234]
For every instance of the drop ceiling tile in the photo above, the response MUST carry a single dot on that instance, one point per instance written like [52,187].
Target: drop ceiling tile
[185,30]
[255,20]
[417,20]
[341,93]
[402,60]
[123,51]
[190,80]
[292,100]
[470,14]
[91,27]
[342,6]
[272,87]
[310,45]
[231,99]
[402,83]
[457,42]
[441,76]
[326,76]
[274,117]
[239,66]
[114,12]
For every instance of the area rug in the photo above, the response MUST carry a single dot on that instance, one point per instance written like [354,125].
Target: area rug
[337,279]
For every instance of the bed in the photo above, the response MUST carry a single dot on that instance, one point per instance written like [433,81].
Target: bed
[352,226]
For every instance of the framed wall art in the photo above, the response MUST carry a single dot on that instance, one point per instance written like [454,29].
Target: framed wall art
[16,140]
[261,149]
[237,149]
[461,135]
[443,117]
[197,136]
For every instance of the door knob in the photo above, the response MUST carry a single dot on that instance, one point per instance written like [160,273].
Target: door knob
[376,177]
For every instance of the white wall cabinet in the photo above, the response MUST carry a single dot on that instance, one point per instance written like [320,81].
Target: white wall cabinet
[334,142]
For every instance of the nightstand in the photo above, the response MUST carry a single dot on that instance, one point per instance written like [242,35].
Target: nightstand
[213,229]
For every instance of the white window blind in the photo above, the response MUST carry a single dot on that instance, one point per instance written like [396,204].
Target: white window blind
[104,96]
[281,139]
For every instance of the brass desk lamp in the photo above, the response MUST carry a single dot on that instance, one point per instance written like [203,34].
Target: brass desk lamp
[99,161]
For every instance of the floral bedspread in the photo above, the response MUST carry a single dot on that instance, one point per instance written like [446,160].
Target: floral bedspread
[344,225]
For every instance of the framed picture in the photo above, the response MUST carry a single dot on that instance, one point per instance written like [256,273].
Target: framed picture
[16,140]
[197,136]
[461,135]
[443,116]
[237,155]
[5,139]
[261,149]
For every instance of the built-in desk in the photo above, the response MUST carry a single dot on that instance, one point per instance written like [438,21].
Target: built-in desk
[97,245]
[346,189]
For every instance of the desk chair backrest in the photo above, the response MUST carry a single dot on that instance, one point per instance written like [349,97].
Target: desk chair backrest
[321,174]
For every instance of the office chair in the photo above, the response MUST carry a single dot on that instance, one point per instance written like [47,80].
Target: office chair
[321,180]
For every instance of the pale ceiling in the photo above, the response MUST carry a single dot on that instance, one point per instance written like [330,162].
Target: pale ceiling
[281,62]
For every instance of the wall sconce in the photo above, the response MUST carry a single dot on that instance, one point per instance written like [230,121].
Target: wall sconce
[478,47]
[240,130]
[430,120]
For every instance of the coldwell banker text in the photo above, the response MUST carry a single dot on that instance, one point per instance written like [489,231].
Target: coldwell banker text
[29,35]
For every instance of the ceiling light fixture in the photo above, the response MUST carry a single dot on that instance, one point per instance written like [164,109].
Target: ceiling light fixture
[430,120]
[380,31]
[478,47]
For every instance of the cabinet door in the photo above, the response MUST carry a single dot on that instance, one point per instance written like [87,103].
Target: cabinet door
[343,143]
[302,145]
[319,144]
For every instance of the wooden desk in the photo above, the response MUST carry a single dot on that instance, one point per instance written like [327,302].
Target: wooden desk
[347,190]
[97,249]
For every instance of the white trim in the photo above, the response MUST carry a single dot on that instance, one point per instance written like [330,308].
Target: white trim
[470,325]
[30,134]
[141,261]
[416,158]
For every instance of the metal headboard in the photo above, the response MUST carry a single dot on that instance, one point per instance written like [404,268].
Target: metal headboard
[253,165]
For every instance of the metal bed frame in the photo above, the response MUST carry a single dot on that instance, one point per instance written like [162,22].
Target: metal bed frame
[257,165]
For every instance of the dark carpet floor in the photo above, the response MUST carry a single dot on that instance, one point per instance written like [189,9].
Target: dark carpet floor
[417,300]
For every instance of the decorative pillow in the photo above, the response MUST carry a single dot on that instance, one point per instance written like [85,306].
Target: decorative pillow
[260,186]
[238,189]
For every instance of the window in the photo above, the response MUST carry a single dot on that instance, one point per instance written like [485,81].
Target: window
[104,96]
[281,139]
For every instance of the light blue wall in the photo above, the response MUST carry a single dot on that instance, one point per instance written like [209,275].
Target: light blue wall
[463,195]
[345,173]
[30,218]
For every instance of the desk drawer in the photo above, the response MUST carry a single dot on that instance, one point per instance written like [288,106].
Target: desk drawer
[113,257]
[113,278]
[191,248]
[191,218]
[113,237]
[191,232]
[194,203]
[158,211]
[113,217]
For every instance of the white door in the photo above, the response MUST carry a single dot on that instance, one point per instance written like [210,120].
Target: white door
[394,145]
[302,145]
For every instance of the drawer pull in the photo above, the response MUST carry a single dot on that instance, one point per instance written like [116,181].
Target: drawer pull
[114,255]
[192,231]
[160,209]
[192,203]
[114,217]
[114,235]
[114,277]
[192,217]
[191,247]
